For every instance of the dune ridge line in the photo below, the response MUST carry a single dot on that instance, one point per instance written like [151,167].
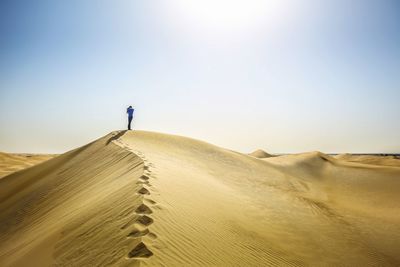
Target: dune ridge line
[140,250]
[137,198]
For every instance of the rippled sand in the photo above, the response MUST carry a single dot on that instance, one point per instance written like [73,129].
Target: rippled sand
[141,198]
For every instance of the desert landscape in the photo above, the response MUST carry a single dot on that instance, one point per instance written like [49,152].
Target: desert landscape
[137,198]
[200,133]
[10,163]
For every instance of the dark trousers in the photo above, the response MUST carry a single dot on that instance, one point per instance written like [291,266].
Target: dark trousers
[129,122]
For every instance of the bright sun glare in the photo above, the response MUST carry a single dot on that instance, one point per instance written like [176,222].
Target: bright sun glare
[233,14]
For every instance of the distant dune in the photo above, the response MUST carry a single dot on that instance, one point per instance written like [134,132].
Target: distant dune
[371,159]
[261,154]
[140,198]
[10,163]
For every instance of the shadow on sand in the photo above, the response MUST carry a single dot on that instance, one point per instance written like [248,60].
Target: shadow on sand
[115,137]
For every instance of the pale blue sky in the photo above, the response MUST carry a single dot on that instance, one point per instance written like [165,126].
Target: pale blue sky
[284,76]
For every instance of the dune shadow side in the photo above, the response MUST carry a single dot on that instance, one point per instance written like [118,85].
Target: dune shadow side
[115,137]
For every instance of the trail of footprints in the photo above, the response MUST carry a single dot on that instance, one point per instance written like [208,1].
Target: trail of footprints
[143,211]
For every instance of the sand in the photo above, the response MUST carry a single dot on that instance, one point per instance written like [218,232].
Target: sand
[146,199]
[261,154]
[370,159]
[10,163]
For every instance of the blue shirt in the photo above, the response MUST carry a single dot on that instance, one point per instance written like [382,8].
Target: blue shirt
[130,112]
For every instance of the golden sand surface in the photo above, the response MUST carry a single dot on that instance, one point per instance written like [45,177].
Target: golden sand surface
[10,162]
[261,154]
[370,159]
[147,199]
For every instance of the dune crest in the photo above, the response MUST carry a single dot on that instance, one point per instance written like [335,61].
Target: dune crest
[140,198]
[259,153]
[78,209]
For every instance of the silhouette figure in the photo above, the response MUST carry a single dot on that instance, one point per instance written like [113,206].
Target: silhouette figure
[130,111]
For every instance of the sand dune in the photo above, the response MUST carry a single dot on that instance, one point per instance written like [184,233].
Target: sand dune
[140,198]
[10,163]
[370,159]
[259,153]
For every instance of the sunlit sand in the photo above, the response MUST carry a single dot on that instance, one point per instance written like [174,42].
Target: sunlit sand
[10,163]
[135,198]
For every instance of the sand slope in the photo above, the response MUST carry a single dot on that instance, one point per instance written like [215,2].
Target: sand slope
[370,159]
[73,210]
[141,198]
[10,163]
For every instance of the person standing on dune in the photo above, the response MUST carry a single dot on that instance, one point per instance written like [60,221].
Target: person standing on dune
[130,111]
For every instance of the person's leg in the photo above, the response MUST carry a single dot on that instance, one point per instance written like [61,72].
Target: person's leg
[129,123]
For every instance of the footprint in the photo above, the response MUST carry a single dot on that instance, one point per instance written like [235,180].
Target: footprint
[143,209]
[152,235]
[145,220]
[138,233]
[144,177]
[144,191]
[140,251]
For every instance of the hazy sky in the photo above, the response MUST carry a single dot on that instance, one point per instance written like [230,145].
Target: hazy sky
[281,75]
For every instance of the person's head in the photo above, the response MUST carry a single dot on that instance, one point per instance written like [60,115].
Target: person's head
[130,107]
